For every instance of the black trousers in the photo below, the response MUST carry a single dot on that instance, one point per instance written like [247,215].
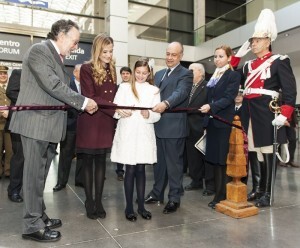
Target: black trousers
[16,165]
[196,162]
[292,138]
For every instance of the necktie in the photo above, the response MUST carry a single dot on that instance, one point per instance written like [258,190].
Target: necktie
[166,75]
[4,86]
[236,109]
[61,58]
[194,87]
[167,72]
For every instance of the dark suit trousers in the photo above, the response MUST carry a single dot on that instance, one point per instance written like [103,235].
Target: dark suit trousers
[16,165]
[38,156]
[66,155]
[196,162]
[169,167]
[292,138]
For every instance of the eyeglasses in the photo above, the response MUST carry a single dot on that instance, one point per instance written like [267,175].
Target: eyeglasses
[75,42]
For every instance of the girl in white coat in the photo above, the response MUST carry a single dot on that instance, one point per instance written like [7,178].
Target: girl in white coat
[134,143]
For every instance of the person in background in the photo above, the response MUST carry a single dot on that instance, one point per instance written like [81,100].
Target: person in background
[125,73]
[134,142]
[95,132]
[222,89]
[17,159]
[5,139]
[67,146]
[197,98]
[175,83]
[45,82]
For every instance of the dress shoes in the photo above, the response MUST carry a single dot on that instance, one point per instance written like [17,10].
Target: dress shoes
[283,164]
[145,214]
[131,217]
[58,187]
[264,201]
[53,223]
[208,192]
[79,185]
[43,235]
[15,198]
[192,186]
[252,196]
[120,177]
[212,204]
[90,210]
[149,199]
[171,207]
[292,164]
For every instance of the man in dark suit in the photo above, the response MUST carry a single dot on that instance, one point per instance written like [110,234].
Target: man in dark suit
[67,146]
[45,82]
[17,159]
[197,98]
[171,130]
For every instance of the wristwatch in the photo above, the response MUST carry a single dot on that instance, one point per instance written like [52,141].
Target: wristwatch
[167,103]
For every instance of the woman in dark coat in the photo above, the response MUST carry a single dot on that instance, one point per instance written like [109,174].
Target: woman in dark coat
[95,132]
[222,89]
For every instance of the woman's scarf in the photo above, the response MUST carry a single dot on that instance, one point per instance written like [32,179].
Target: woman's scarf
[217,75]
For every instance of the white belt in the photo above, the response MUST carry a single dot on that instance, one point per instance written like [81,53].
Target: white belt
[271,93]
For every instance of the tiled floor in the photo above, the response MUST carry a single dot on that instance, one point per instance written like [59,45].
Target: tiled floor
[193,225]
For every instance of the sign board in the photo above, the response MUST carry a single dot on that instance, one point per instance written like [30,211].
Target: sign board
[13,47]
[79,56]
[36,3]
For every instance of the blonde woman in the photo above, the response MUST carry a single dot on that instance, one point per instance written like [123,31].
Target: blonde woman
[95,132]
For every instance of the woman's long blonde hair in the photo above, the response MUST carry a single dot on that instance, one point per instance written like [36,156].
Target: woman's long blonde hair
[98,70]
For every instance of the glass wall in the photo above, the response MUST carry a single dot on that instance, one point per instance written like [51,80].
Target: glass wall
[41,14]
[238,16]
[164,20]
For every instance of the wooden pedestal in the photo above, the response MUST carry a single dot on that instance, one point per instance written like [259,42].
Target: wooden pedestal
[236,204]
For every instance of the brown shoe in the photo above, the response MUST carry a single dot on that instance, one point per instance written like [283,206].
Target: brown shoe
[292,164]
[283,164]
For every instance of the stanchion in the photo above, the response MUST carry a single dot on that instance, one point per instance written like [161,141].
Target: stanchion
[236,204]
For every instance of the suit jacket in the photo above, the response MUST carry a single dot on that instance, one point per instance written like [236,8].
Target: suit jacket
[12,91]
[195,119]
[175,89]
[44,81]
[221,98]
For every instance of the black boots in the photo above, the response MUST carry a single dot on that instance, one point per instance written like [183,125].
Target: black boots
[265,200]
[90,209]
[257,171]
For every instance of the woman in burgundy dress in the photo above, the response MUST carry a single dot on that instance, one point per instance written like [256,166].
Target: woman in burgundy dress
[95,132]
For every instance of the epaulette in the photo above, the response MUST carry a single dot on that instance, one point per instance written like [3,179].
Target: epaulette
[282,57]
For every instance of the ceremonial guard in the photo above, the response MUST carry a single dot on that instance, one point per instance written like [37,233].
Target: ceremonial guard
[265,77]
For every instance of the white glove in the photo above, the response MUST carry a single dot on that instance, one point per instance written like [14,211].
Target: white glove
[245,48]
[279,120]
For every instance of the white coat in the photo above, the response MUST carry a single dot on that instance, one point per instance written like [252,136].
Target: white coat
[134,141]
